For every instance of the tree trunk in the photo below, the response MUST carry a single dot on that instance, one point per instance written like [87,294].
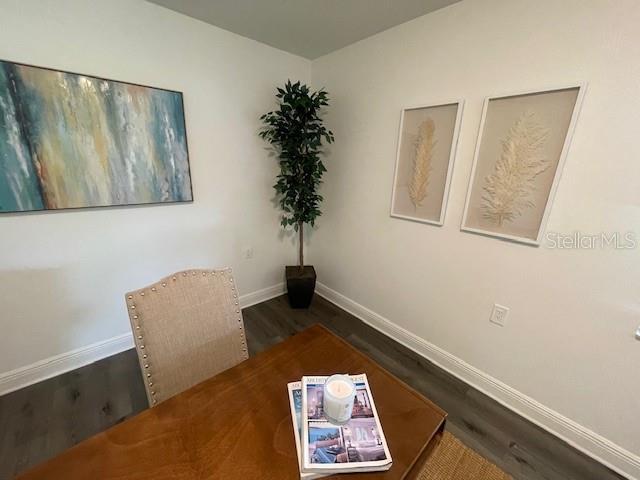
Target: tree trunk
[301,258]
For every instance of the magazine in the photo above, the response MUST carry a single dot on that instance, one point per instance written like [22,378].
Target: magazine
[295,402]
[357,446]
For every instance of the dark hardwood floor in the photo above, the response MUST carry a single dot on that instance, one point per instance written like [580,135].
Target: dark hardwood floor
[42,420]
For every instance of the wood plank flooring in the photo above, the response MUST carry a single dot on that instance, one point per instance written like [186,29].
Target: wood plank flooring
[42,420]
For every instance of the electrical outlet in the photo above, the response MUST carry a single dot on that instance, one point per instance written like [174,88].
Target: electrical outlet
[499,315]
[248,253]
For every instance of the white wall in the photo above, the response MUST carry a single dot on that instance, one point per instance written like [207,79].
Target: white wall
[569,340]
[63,275]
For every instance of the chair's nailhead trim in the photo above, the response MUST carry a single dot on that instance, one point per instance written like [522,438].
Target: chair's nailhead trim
[227,273]
[144,356]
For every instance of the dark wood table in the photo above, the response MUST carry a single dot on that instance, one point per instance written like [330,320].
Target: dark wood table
[238,424]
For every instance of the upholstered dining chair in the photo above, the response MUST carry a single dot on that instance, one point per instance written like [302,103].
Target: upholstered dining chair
[187,328]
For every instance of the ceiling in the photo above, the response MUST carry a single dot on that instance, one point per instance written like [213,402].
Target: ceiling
[309,28]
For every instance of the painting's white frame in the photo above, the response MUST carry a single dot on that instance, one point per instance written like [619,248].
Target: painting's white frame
[452,156]
[581,86]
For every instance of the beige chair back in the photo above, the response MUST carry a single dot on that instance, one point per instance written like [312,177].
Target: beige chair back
[187,327]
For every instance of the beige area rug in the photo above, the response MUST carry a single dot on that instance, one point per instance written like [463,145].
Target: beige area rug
[452,460]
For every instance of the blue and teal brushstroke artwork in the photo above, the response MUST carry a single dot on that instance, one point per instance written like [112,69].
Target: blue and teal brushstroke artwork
[74,141]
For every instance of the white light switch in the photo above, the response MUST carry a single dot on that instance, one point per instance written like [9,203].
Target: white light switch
[499,315]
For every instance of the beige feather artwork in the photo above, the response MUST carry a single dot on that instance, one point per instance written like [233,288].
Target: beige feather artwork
[508,190]
[419,180]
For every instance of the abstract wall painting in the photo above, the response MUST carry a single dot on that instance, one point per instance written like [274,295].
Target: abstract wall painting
[75,141]
[424,162]
[522,144]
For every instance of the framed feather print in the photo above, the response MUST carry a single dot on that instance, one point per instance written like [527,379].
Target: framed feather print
[427,142]
[522,143]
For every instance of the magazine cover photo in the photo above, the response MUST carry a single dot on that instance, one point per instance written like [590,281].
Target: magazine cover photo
[359,440]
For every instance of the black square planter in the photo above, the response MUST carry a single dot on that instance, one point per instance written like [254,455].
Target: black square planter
[300,285]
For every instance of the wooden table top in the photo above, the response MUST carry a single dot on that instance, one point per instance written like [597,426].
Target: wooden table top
[238,423]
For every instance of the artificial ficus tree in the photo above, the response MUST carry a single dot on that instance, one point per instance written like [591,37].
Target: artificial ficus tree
[297,132]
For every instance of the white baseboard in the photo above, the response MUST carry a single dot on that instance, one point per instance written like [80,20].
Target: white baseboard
[604,451]
[65,362]
[52,366]
[263,295]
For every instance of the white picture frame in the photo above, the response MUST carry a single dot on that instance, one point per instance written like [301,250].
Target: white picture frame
[467,224]
[449,141]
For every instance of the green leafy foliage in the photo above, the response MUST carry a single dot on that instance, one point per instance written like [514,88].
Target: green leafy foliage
[297,132]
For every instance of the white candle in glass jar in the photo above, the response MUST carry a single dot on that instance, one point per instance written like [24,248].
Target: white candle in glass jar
[339,393]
